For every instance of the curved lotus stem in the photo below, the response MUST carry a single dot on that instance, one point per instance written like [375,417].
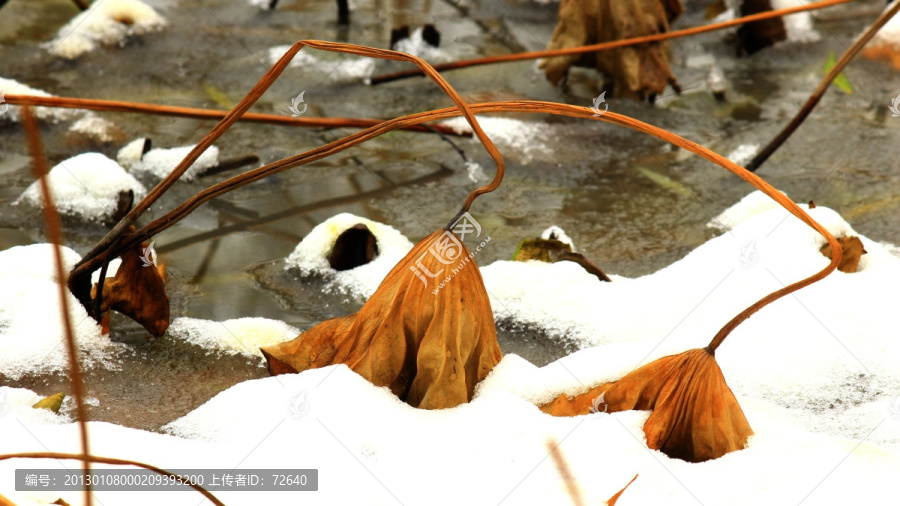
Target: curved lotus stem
[77,278]
[522,106]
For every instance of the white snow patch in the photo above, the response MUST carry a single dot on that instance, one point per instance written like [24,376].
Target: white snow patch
[94,127]
[157,163]
[345,68]
[13,112]
[743,154]
[261,4]
[105,23]
[86,186]
[242,336]
[416,46]
[529,140]
[748,207]
[475,172]
[18,402]
[311,255]
[31,330]
[559,234]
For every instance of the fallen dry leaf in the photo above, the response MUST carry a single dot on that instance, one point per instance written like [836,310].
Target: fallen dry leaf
[695,415]
[638,72]
[138,291]
[427,332]
[52,402]
[759,35]
[853,250]
[551,251]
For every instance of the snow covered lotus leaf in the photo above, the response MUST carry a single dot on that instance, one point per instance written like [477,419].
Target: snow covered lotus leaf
[105,23]
[87,186]
[637,71]
[695,415]
[430,344]
[138,291]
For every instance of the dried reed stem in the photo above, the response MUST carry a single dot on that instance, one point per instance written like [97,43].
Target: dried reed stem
[39,166]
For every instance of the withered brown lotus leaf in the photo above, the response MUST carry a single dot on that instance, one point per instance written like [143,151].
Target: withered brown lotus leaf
[695,415]
[138,291]
[427,332]
[853,252]
[635,71]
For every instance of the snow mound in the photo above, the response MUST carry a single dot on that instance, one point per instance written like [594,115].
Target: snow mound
[310,257]
[86,186]
[31,330]
[92,126]
[13,112]
[799,26]
[748,207]
[242,336]
[529,140]
[344,68]
[157,163]
[105,23]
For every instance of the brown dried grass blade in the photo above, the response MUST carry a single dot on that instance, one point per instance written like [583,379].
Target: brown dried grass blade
[39,166]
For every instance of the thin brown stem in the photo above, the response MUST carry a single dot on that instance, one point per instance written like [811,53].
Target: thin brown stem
[107,460]
[82,4]
[593,48]
[820,90]
[39,166]
[207,114]
[523,106]
[79,279]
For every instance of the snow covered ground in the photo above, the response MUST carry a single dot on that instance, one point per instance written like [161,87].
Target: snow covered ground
[815,373]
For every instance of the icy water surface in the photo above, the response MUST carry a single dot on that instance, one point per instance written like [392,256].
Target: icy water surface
[630,202]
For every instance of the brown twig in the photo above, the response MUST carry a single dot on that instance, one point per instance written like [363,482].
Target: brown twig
[107,460]
[197,113]
[820,90]
[39,166]
[81,4]
[593,48]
